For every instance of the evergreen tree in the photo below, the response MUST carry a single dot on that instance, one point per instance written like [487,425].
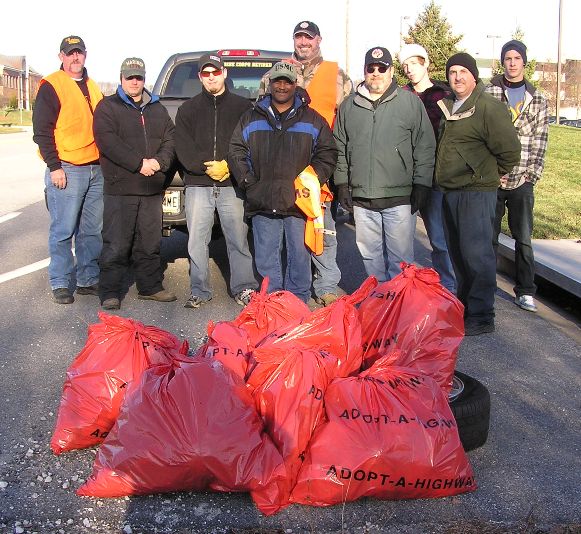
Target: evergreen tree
[434,33]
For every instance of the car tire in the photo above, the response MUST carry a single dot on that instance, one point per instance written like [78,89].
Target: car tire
[471,409]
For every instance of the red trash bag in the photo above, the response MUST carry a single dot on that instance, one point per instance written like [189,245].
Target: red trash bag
[390,435]
[290,402]
[414,313]
[189,426]
[268,311]
[335,329]
[227,344]
[117,351]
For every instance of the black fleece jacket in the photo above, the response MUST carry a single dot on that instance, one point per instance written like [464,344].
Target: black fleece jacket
[126,134]
[204,126]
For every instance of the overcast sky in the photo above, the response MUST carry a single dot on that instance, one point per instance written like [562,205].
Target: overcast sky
[155,30]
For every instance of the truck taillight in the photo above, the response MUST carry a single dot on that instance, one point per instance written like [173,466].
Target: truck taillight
[243,53]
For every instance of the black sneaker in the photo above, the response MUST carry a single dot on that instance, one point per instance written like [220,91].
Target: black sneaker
[88,290]
[195,302]
[243,298]
[112,303]
[475,329]
[62,295]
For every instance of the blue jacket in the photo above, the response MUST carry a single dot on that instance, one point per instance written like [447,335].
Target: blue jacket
[266,155]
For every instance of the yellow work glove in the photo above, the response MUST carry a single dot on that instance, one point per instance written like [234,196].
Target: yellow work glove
[217,170]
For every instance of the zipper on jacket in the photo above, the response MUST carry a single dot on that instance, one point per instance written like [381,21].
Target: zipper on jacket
[144,132]
[215,126]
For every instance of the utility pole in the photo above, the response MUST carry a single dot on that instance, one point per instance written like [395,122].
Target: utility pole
[558,105]
[493,37]
[401,19]
[347,36]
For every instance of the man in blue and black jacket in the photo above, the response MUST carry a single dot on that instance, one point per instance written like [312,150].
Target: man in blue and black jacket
[135,137]
[270,147]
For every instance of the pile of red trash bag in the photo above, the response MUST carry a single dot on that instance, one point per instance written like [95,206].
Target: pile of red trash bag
[316,408]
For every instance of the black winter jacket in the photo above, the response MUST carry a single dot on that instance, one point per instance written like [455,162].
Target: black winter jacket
[125,135]
[204,126]
[266,155]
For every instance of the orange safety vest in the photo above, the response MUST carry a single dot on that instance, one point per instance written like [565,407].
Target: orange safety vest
[323,90]
[73,133]
[310,197]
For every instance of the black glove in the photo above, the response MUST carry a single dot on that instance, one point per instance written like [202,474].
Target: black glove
[420,197]
[344,196]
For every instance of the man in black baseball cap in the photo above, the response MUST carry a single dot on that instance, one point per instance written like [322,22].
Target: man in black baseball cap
[72,42]
[210,59]
[308,27]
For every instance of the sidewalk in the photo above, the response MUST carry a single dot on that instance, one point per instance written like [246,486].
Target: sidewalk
[557,261]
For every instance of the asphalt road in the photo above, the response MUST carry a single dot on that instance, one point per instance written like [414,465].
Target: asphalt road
[528,472]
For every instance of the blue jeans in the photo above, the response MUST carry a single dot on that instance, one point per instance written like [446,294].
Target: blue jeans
[469,219]
[269,231]
[327,273]
[201,202]
[385,238]
[519,202]
[434,223]
[75,211]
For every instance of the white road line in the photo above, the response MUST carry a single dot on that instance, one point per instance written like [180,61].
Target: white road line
[37,266]
[9,216]
[24,270]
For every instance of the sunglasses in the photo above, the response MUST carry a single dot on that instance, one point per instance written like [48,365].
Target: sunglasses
[206,73]
[381,68]
[138,78]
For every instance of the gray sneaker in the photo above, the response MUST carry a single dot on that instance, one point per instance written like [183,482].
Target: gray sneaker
[195,302]
[526,302]
[112,303]
[243,298]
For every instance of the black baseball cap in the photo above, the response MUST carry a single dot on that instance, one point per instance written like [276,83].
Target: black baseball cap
[378,55]
[72,42]
[308,27]
[210,59]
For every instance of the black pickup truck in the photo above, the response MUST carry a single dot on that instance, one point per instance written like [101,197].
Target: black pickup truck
[178,81]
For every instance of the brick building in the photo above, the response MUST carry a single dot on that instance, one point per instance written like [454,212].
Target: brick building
[18,81]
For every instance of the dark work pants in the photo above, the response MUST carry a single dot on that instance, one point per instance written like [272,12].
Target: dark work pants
[469,219]
[519,202]
[131,233]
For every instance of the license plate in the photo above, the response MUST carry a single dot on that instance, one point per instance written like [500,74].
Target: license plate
[172,203]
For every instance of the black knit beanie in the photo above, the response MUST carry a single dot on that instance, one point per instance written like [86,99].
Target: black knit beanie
[466,61]
[514,45]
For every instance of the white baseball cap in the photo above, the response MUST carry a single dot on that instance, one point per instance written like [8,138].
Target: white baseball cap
[411,50]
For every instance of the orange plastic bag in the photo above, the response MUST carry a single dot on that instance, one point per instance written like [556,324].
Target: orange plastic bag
[268,311]
[190,426]
[290,402]
[414,313]
[117,351]
[390,435]
[227,344]
[335,329]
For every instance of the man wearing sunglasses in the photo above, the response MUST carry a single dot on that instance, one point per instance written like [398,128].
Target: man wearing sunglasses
[204,126]
[63,131]
[135,136]
[386,162]
[327,86]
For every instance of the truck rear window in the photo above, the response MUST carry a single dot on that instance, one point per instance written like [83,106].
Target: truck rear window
[244,77]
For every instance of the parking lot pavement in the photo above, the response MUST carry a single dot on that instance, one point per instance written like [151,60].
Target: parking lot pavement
[527,472]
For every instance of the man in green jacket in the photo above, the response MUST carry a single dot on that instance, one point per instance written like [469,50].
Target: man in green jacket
[385,167]
[477,144]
